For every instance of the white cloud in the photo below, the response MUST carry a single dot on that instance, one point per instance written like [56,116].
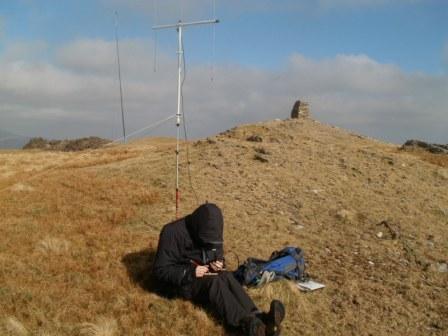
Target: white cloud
[78,94]
[88,55]
[24,50]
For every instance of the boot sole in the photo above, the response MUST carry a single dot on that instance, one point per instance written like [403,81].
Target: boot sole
[276,315]
[259,329]
[277,311]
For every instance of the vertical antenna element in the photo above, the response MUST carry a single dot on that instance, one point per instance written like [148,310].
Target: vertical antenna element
[180,53]
[156,20]
[182,10]
[119,76]
[212,76]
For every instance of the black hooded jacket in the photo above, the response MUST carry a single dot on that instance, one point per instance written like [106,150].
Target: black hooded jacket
[193,240]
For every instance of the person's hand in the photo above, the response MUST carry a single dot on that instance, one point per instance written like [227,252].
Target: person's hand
[217,265]
[200,271]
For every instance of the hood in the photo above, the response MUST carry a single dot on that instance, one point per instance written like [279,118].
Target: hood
[206,225]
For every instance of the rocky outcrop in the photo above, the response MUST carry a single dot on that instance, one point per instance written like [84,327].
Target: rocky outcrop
[66,145]
[432,148]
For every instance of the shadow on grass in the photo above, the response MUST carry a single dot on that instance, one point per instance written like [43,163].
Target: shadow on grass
[139,268]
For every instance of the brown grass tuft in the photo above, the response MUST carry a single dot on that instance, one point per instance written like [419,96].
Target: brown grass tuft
[103,327]
[21,187]
[436,159]
[13,327]
[53,245]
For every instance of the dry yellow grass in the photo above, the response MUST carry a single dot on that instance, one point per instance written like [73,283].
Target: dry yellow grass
[437,159]
[78,232]
[12,327]
[103,327]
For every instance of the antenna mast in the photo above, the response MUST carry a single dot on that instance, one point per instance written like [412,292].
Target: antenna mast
[180,55]
[119,76]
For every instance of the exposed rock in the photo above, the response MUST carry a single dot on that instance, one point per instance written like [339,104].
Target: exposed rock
[345,215]
[262,150]
[432,148]
[260,157]
[394,230]
[300,109]
[442,267]
[66,145]
[255,138]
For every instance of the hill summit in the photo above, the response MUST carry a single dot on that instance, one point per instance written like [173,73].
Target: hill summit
[79,231]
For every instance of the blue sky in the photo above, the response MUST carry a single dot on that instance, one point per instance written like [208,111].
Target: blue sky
[262,41]
[411,34]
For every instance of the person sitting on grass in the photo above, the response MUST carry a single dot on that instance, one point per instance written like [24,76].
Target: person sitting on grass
[190,258]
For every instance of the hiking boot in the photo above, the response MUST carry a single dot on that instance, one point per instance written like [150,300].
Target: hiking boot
[274,318]
[253,326]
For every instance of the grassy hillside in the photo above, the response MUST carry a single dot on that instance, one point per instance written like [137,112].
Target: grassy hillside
[78,232]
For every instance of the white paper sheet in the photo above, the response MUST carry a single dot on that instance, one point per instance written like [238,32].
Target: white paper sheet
[310,285]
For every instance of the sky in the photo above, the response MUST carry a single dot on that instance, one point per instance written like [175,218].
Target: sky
[375,67]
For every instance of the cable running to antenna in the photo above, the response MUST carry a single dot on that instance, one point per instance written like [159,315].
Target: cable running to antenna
[185,126]
[157,123]
[212,77]
[119,76]
[156,20]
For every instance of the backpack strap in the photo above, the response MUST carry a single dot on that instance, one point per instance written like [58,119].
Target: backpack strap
[300,260]
[295,252]
[265,278]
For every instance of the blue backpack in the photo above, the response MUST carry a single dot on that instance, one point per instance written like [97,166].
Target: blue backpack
[288,263]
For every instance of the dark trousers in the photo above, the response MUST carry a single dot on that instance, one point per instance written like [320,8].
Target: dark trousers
[224,295]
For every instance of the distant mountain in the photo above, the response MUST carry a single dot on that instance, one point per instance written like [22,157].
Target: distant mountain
[10,140]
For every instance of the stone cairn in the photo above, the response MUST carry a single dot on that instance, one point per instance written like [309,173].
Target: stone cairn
[300,110]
